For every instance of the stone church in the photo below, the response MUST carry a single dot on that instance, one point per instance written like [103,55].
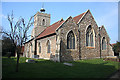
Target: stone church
[72,39]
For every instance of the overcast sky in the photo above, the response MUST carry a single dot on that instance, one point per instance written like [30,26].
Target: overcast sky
[104,13]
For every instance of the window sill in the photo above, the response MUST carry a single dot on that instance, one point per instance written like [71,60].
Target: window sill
[104,50]
[71,49]
[90,47]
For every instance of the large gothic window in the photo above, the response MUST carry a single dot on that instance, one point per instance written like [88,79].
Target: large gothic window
[89,37]
[70,40]
[103,44]
[48,46]
[43,22]
[39,47]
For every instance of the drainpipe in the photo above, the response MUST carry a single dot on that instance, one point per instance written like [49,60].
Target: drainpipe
[100,41]
[79,45]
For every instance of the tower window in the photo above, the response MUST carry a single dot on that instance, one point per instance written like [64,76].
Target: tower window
[43,22]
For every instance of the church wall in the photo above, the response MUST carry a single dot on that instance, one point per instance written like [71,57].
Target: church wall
[43,43]
[68,54]
[111,52]
[89,52]
[108,51]
[27,49]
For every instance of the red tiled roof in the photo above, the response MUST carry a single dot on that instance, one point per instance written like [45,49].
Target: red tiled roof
[51,29]
[113,44]
[77,18]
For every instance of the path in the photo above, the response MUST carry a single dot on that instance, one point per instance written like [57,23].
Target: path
[116,75]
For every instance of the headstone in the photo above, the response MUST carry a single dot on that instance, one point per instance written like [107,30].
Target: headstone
[35,56]
[30,61]
[68,64]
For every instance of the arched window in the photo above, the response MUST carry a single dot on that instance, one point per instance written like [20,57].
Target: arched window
[31,48]
[70,40]
[48,46]
[103,44]
[39,47]
[43,22]
[89,37]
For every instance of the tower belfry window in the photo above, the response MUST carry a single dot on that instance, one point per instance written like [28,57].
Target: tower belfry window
[43,22]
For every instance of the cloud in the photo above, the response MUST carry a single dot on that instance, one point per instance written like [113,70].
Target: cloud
[3,16]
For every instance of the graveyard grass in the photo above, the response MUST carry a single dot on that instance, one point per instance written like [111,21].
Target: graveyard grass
[93,68]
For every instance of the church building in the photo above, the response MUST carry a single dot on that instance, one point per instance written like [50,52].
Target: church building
[72,39]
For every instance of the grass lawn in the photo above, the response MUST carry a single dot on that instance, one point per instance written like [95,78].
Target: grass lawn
[94,68]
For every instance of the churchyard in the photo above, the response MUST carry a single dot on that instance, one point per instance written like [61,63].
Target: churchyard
[93,68]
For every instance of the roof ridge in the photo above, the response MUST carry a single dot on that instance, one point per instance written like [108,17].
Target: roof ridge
[50,29]
[56,22]
[79,15]
[53,23]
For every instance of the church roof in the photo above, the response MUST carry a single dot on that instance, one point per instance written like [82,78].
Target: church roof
[77,18]
[52,28]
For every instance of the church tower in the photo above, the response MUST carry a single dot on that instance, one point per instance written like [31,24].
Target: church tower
[41,21]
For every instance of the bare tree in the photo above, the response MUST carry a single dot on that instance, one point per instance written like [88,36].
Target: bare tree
[18,33]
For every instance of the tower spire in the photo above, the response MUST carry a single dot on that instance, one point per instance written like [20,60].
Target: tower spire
[43,5]
[42,9]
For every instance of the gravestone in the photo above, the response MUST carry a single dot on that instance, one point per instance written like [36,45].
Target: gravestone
[68,64]
[30,61]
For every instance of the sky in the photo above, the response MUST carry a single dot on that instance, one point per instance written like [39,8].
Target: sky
[104,13]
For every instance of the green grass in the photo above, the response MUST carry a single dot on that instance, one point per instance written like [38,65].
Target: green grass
[94,68]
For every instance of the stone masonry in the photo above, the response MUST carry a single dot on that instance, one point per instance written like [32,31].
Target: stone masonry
[58,38]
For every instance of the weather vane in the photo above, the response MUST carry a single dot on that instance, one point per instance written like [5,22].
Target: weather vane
[42,9]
